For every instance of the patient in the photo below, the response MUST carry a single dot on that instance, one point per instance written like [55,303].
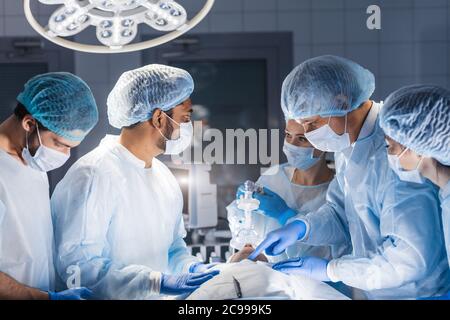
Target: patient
[257,280]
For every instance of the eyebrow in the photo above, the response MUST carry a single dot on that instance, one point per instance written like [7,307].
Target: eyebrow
[294,134]
[62,143]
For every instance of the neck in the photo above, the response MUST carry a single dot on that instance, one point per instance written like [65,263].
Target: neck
[12,137]
[143,149]
[318,174]
[356,119]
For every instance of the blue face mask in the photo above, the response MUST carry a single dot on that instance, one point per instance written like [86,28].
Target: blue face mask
[299,157]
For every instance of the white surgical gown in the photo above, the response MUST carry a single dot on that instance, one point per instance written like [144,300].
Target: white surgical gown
[394,226]
[26,231]
[120,223]
[303,199]
[445,205]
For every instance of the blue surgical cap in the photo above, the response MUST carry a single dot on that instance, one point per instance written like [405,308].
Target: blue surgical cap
[139,92]
[61,102]
[326,86]
[418,117]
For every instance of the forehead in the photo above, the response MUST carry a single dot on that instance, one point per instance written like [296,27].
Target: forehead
[309,119]
[292,126]
[184,106]
[393,143]
[61,140]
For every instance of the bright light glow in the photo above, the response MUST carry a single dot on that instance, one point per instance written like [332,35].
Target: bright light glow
[116,22]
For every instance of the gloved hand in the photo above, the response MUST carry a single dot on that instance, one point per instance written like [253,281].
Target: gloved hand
[71,294]
[184,283]
[444,297]
[271,204]
[279,240]
[312,267]
[201,267]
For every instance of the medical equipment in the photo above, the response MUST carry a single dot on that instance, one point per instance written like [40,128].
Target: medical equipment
[116,22]
[246,202]
[199,195]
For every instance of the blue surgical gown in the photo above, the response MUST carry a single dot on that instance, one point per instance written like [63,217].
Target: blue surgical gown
[394,227]
[445,205]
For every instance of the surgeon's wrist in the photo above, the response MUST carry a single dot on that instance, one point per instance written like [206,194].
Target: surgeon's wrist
[155,279]
[286,215]
[331,271]
[300,228]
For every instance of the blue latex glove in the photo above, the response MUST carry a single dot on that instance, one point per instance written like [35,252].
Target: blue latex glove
[444,297]
[279,240]
[271,204]
[312,267]
[184,283]
[71,294]
[201,267]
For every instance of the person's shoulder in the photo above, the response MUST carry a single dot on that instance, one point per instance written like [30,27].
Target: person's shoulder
[273,170]
[99,163]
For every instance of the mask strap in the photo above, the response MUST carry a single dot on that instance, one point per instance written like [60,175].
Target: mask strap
[403,153]
[345,128]
[39,136]
[162,134]
[171,119]
[26,139]
[419,163]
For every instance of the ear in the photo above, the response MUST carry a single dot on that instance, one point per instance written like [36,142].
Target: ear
[28,123]
[157,118]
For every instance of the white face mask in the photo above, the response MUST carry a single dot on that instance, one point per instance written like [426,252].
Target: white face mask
[405,175]
[325,139]
[45,159]
[177,146]
[299,157]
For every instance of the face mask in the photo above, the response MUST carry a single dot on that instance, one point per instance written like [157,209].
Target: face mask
[405,175]
[325,139]
[45,159]
[177,146]
[299,157]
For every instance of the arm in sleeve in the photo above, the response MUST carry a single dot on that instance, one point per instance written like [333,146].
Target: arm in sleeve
[445,206]
[180,260]
[328,225]
[410,227]
[82,209]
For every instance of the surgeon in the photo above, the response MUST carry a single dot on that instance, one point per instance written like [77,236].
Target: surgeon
[302,183]
[118,211]
[416,120]
[54,113]
[393,225]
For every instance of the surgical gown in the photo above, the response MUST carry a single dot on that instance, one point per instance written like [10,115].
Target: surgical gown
[26,231]
[394,227]
[445,205]
[119,223]
[303,199]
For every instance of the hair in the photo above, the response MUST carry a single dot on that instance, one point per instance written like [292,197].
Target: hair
[20,111]
[131,126]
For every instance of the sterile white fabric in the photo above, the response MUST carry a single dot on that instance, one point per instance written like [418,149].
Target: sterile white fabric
[258,280]
[120,223]
[26,231]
